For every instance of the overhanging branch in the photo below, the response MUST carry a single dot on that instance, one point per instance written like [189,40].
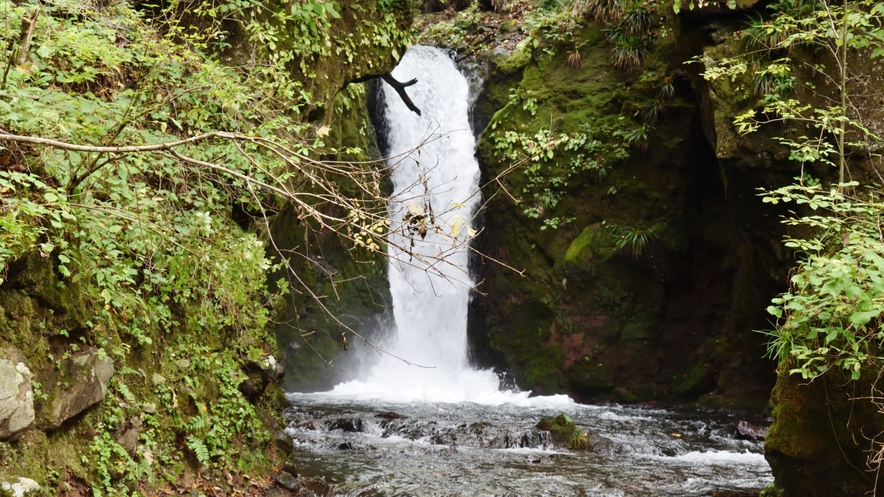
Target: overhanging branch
[400,89]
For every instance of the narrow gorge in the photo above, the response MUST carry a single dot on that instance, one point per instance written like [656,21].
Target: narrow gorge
[449,248]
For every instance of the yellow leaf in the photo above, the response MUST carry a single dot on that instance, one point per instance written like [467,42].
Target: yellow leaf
[455,228]
[323,131]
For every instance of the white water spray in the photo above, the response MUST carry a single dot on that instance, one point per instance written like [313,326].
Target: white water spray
[429,280]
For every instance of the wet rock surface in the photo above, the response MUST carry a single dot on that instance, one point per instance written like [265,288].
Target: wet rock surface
[749,431]
[352,425]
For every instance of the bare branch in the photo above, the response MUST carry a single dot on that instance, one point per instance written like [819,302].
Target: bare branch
[400,89]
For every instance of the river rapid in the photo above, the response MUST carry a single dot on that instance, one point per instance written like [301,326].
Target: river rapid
[468,449]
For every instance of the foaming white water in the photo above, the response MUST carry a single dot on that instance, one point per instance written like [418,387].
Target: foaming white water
[439,183]
[721,457]
[476,386]
[429,279]
[622,417]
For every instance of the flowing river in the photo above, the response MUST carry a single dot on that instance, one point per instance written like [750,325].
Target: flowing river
[420,421]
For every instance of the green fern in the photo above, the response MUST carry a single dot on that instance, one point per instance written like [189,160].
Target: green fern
[632,239]
[199,449]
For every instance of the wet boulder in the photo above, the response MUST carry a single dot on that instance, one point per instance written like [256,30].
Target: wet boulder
[593,442]
[84,383]
[565,433]
[533,439]
[350,425]
[303,485]
[390,415]
[561,428]
[286,480]
[283,442]
[744,430]
[749,431]
[16,396]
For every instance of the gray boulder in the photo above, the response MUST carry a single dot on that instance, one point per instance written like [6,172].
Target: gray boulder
[21,487]
[85,381]
[16,396]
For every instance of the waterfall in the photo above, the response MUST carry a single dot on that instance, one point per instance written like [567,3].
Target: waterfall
[442,428]
[435,187]
[435,177]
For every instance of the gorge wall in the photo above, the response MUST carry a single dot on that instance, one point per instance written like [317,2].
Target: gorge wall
[629,258]
[669,320]
[647,279]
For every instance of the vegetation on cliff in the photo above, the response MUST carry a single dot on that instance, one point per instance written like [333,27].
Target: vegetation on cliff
[594,163]
[807,76]
[145,151]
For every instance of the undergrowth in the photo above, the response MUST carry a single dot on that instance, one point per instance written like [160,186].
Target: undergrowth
[168,247]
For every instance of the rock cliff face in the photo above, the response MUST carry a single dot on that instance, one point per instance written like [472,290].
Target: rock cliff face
[574,312]
[593,314]
[823,437]
[821,441]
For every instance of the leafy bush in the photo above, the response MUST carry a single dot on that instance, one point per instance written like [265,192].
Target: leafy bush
[831,315]
[551,160]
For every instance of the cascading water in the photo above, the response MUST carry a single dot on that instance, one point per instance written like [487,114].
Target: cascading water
[438,427]
[429,281]
[435,177]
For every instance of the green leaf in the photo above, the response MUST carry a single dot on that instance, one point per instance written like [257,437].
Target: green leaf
[329,6]
[199,449]
[861,318]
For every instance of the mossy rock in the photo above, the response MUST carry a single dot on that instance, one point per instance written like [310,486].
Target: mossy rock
[562,429]
[565,433]
[698,380]
[702,279]
[593,246]
[812,446]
